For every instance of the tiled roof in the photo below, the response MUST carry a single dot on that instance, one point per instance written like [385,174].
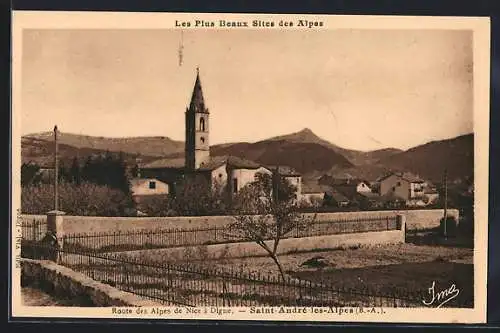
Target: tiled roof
[241,163]
[284,170]
[412,178]
[308,187]
[369,195]
[338,197]
[214,163]
[408,176]
[232,161]
[171,163]
[347,190]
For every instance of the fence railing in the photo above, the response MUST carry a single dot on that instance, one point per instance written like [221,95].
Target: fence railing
[33,230]
[167,238]
[189,285]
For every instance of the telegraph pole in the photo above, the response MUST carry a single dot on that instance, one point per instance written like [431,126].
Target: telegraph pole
[445,181]
[56,167]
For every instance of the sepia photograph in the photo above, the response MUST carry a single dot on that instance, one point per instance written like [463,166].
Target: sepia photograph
[250,166]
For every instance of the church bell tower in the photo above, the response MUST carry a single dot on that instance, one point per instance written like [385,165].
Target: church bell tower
[197,147]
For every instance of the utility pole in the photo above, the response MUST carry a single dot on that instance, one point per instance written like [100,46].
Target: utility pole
[445,181]
[56,171]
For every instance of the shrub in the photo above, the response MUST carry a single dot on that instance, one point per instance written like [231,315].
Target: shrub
[198,197]
[156,205]
[84,199]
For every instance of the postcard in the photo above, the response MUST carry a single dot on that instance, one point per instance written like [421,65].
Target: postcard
[308,168]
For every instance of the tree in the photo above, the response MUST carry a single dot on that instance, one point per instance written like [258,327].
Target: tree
[200,196]
[75,172]
[285,190]
[265,220]
[28,173]
[63,173]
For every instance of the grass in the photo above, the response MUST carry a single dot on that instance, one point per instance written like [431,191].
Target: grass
[414,278]
[408,268]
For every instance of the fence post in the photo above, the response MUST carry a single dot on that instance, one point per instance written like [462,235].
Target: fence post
[55,227]
[401,226]
[35,231]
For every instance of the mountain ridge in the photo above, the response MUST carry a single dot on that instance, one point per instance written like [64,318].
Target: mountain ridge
[305,151]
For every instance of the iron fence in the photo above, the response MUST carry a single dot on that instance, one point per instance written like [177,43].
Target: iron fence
[190,285]
[33,230]
[167,238]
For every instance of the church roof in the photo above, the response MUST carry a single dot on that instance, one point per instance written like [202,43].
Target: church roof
[197,101]
[241,163]
[232,161]
[214,163]
[170,163]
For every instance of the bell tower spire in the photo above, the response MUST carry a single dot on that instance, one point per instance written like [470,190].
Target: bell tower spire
[197,147]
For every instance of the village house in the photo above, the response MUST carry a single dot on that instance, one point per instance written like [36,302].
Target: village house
[145,189]
[229,172]
[291,175]
[313,194]
[351,187]
[336,199]
[147,186]
[408,187]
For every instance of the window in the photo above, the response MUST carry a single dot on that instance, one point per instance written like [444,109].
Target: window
[152,185]
[202,140]
[235,185]
[220,175]
[399,183]
[202,124]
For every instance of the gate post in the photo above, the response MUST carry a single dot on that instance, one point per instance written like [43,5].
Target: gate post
[401,225]
[55,226]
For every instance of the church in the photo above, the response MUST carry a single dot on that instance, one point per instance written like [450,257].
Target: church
[229,172]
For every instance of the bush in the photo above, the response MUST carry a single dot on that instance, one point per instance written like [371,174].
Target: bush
[199,198]
[451,226]
[156,205]
[85,199]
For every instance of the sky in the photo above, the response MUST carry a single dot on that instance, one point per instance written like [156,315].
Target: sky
[359,89]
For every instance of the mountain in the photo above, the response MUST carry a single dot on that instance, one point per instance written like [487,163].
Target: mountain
[305,157]
[356,157]
[429,160]
[148,146]
[41,152]
[304,151]
[368,172]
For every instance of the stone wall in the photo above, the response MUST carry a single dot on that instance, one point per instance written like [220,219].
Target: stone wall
[289,245]
[60,280]
[415,219]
